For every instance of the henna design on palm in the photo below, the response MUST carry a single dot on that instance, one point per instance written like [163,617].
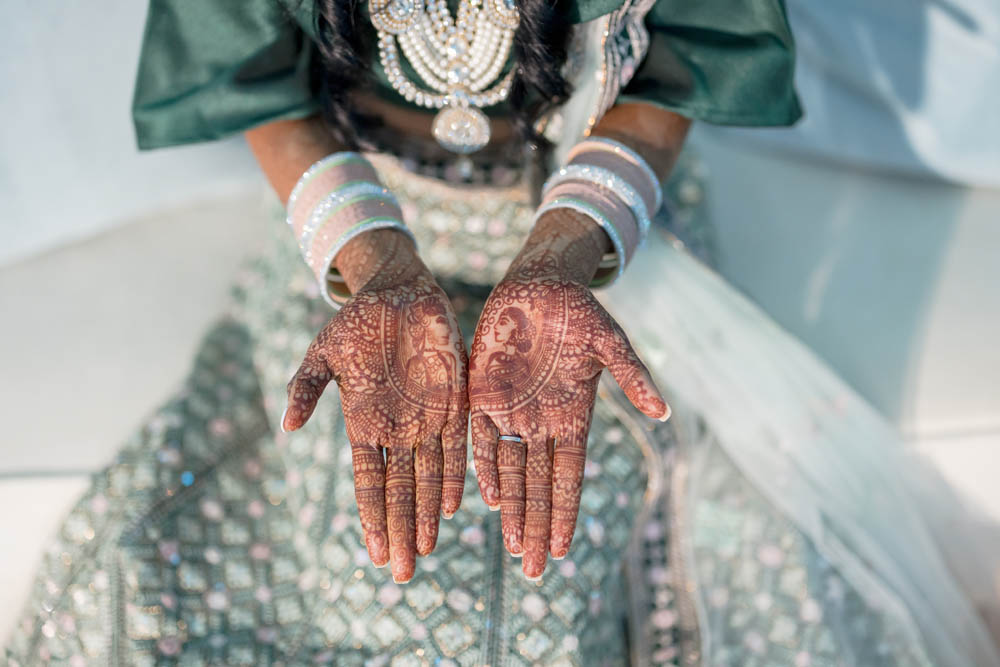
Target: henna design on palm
[537,355]
[399,359]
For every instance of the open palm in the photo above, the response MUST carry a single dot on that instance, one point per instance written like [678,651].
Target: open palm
[537,356]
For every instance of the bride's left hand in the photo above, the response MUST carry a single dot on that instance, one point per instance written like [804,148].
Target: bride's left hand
[537,355]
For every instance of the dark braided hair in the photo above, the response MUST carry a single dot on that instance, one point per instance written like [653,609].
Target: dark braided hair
[346,52]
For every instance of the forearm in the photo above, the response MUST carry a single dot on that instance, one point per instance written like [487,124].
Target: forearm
[286,148]
[657,135]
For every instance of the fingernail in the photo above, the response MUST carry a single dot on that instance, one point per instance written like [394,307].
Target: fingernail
[558,557]
[494,508]
[380,566]
[666,415]
[446,515]
[399,581]
[538,578]
[519,554]
[282,422]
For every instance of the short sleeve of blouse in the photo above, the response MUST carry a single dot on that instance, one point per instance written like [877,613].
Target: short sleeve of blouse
[208,69]
[726,62]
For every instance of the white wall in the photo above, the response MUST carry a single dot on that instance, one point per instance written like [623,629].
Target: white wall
[68,164]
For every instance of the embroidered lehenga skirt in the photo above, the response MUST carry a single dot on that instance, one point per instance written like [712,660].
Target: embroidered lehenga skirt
[214,538]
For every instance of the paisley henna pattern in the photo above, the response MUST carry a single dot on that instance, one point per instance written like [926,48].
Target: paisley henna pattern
[397,353]
[538,352]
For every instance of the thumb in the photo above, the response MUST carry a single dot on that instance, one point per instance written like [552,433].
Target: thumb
[615,352]
[304,390]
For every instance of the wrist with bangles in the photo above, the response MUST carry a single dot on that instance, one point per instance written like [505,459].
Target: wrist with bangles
[335,200]
[611,184]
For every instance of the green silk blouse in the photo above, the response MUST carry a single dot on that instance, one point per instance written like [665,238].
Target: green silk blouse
[212,68]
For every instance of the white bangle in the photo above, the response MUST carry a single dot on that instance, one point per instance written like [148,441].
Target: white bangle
[610,180]
[336,199]
[329,162]
[619,148]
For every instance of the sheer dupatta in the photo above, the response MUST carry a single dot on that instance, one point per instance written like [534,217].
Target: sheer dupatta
[815,450]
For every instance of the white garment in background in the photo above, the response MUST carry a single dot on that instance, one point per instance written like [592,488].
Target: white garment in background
[871,231]
[902,84]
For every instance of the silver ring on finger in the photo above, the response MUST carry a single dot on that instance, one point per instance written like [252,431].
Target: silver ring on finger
[512,438]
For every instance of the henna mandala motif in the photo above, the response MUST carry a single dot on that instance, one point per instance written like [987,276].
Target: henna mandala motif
[537,355]
[398,356]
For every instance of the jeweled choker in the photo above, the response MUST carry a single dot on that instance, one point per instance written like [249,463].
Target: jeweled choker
[458,59]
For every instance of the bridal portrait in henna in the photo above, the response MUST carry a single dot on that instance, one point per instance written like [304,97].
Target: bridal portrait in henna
[508,368]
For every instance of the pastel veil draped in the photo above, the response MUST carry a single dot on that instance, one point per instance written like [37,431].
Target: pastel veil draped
[815,449]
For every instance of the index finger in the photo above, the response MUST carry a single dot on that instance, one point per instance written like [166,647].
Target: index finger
[454,439]
[484,453]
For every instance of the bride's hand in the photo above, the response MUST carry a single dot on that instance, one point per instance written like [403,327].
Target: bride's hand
[538,352]
[397,354]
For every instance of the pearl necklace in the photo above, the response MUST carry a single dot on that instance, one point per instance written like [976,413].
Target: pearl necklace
[457,59]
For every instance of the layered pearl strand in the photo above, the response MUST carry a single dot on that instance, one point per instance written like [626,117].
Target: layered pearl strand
[457,58]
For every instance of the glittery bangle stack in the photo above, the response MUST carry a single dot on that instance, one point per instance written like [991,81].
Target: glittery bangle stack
[336,199]
[611,184]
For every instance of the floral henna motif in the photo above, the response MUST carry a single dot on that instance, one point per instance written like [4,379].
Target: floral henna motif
[537,355]
[397,354]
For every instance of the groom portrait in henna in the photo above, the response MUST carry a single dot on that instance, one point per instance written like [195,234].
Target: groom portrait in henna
[405,402]
[433,363]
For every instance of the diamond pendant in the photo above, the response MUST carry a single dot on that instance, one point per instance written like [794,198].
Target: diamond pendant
[461,129]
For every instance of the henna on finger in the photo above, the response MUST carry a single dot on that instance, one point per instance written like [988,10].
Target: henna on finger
[369,491]
[454,440]
[484,453]
[400,497]
[429,469]
[511,459]
[615,351]
[305,388]
[537,506]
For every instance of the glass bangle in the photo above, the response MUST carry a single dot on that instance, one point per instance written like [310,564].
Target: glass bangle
[608,179]
[598,217]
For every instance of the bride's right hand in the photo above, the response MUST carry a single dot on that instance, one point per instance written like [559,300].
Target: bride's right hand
[397,354]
